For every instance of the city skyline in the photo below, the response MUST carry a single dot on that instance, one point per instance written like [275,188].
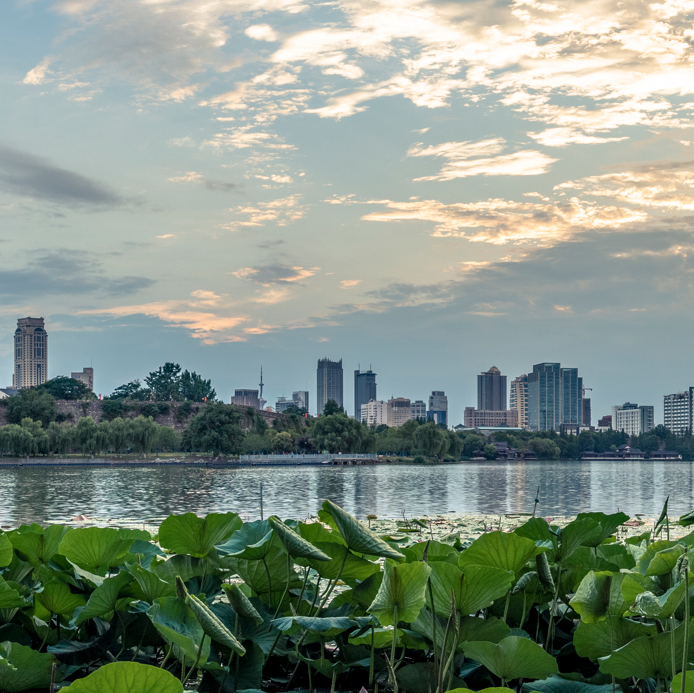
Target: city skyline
[385,182]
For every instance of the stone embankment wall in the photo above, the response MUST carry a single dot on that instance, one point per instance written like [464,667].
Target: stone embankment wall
[94,408]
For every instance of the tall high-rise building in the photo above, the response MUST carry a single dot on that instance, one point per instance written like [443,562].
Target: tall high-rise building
[399,411]
[491,390]
[555,397]
[329,382]
[586,411]
[364,390]
[438,407]
[419,409]
[518,399]
[246,398]
[30,353]
[677,410]
[632,418]
[374,413]
[300,398]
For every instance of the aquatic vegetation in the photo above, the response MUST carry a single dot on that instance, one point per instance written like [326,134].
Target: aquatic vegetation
[214,604]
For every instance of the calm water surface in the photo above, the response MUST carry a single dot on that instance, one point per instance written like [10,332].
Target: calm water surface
[50,494]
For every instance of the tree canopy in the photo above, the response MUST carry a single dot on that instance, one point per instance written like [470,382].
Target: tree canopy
[166,384]
[32,403]
[62,387]
[216,428]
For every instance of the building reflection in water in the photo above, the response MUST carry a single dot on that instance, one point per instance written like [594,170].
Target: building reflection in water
[149,494]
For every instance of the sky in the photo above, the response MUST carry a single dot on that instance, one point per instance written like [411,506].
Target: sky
[428,188]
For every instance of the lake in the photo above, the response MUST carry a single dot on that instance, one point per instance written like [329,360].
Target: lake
[149,494]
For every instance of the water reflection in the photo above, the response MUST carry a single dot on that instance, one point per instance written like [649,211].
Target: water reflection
[40,494]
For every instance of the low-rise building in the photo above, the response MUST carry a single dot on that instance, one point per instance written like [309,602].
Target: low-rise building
[399,411]
[418,409]
[374,413]
[246,398]
[677,411]
[438,407]
[632,418]
[86,376]
[475,418]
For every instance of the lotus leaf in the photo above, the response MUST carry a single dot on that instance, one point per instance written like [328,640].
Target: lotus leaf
[255,573]
[664,561]
[6,550]
[599,639]
[599,595]
[358,537]
[213,626]
[557,684]
[537,529]
[365,592]
[295,545]
[128,677]
[646,657]
[608,525]
[178,625]
[315,532]
[421,678]
[499,550]
[342,563]
[401,595]
[382,638]
[94,548]
[514,657]
[327,627]
[475,589]
[197,536]
[688,683]
[648,604]
[241,604]
[184,567]
[584,532]
[250,675]
[56,598]
[22,668]
[148,585]
[644,558]
[252,542]
[10,597]
[38,545]
[104,599]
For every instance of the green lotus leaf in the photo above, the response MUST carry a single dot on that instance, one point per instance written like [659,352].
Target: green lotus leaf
[184,567]
[358,537]
[557,684]
[601,638]
[128,677]
[514,657]
[213,626]
[496,689]
[315,532]
[664,561]
[252,542]
[634,584]
[57,598]
[688,682]
[177,624]
[544,574]
[687,520]
[148,585]
[250,674]
[6,550]
[255,574]
[295,545]
[648,604]
[644,556]
[365,592]
[342,563]
[598,596]
[499,550]
[104,599]
[94,548]
[22,668]
[421,678]
[402,593]
[537,529]
[382,638]
[475,589]
[10,597]
[435,550]
[584,532]
[38,546]
[646,657]
[197,536]
[608,525]
[490,629]
[241,604]
[146,550]
[327,627]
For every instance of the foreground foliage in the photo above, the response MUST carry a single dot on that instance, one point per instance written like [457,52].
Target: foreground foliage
[216,604]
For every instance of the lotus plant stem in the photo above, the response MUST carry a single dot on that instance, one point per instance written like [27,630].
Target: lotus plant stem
[274,644]
[372,656]
[48,630]
[183,667]
[139,645]
[440,672]
[310,677]
[553,608]
[303,587]
[672,646]
[337,579]
[395,638]
[197,659]
[508,600]
[286,587]
[522,621]
[269,580]
[122,635]
[332,685]
[687,618]
[435,622]
[166,658]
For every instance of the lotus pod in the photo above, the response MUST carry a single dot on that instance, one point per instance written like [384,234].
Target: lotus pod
[294,543]
[212,625]
[241,604]
[543,572]
[524,582]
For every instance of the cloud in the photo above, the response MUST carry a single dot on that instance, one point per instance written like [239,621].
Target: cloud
[461,164]
[167,235]
[267,275]
[349,283]
[261,32]
[282,211]
[66,273]
[39,74]
[30,176]
[210,184]
[561,137]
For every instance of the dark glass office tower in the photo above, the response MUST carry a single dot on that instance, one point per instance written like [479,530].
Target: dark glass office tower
[329,377]
[491,390]
[364,390]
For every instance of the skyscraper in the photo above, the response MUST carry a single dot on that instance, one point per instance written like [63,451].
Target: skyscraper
[632,418]
[438,407]
[677,411]
[491,390]
[555,397]
[364,390]
[518,399]
[329,377]
[30,353]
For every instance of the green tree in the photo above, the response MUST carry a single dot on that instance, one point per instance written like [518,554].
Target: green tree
[255,444]
[38,405]
[131,390]
[63,387]
[216,428]
[17,440]
[120,434]
[332,407]
[430,439]
[544,448]
[194,388]
[143,433]
[282,442]
[111,408]
[85,434]
[338,433]
[165,382]
[455,445]
[167,439]
[489,452]
[60,437]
